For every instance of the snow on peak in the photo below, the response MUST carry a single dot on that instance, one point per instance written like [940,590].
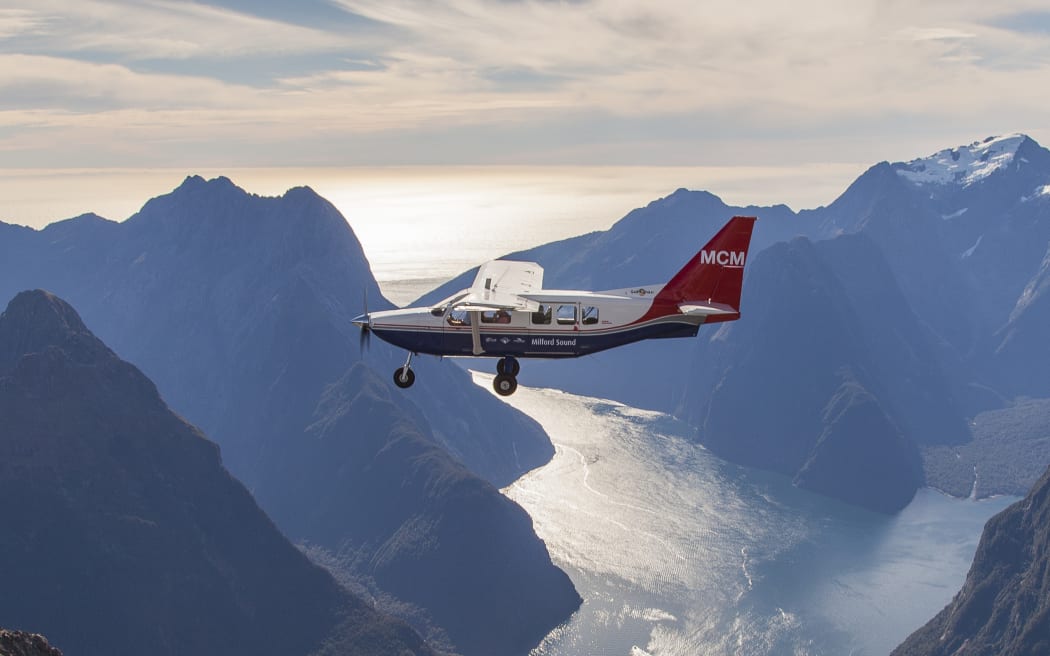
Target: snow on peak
[964,165]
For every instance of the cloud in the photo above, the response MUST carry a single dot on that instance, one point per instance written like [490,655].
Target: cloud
[619,57]
[411,71]
[933,33]
[157,29]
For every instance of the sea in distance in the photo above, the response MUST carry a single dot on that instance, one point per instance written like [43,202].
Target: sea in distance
[675,552]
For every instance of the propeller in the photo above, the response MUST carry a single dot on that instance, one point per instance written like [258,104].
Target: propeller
[364,322]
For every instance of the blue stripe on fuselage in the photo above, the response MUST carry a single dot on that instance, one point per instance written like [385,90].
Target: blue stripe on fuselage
[529,344]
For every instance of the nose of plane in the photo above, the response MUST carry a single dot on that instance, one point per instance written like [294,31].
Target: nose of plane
[362,321]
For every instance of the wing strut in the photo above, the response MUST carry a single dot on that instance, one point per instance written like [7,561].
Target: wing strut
[475,331]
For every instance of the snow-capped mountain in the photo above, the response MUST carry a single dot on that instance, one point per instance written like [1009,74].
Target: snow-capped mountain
[964,165]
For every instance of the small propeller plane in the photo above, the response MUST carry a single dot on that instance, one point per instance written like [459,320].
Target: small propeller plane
[506,313]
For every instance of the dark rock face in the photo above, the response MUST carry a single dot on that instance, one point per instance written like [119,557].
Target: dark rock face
[859,455]
[1004,606]
[821,381]
[20,643]
[433,535]
[122,529]
[1023,338]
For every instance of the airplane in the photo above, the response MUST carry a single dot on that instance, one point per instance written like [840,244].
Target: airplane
[506,313]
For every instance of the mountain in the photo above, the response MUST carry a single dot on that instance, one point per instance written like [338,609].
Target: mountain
[20,643]
[933,315]
[965,231]
[813,385]
[1004,605]
[123,532]
[435,536]
[1022,340]
[239,307]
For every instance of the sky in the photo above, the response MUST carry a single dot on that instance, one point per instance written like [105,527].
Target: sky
[227,83]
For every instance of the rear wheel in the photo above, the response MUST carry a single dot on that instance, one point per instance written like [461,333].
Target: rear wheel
[504,384]
[404,377]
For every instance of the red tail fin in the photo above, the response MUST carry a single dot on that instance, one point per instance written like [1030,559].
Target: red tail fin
[716,273]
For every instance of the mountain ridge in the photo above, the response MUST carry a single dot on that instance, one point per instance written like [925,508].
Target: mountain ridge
[242,316]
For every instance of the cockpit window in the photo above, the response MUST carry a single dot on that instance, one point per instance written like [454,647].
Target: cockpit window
[590,315]
[458,318]
[441,308]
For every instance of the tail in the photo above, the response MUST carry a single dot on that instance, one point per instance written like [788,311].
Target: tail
[715,275]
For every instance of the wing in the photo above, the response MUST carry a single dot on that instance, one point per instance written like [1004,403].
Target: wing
[500,284]
[508,277]
[489,300]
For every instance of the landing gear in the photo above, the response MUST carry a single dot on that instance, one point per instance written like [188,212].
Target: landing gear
[508,365]
[504,384]
[506,380]
[404,376]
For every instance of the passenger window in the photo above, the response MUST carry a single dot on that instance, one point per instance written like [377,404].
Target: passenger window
[566,315]
[542,317]
[590,315]
[458,318]
[495,316]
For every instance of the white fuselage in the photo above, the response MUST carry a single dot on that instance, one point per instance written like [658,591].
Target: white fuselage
[567,323]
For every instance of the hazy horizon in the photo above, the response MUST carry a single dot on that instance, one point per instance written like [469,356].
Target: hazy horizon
[420,226]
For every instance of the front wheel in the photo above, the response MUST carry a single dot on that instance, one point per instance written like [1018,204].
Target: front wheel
[404,377]
[504,384]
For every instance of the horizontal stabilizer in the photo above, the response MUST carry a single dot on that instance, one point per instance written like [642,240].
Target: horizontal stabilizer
[706,309]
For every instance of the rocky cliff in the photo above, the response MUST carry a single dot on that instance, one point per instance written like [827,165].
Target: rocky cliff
[1004,606]
[20,643]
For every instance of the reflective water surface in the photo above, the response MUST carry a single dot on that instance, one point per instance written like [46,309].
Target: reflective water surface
[678,552]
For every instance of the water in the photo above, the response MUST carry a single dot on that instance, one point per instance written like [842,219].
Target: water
[678,552]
